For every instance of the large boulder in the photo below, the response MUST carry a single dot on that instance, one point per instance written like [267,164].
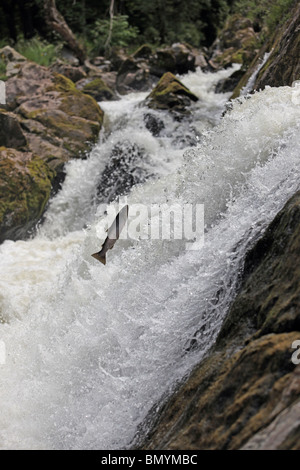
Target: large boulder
[170,94]
[245,394]
[71,120]
[25,186]
[49,121]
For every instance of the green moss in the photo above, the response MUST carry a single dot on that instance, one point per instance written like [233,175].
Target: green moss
[25,188]
[63,84]
[170,84]
[76,103]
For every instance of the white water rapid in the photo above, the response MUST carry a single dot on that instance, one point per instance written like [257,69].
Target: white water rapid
[90,349]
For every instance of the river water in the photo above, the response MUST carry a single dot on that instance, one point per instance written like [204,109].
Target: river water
[86,350]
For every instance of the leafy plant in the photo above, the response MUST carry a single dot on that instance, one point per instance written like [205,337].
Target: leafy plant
[38,50]
[122,33]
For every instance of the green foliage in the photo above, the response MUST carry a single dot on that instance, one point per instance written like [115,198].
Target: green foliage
[122,33]
[38,50]
[267,13]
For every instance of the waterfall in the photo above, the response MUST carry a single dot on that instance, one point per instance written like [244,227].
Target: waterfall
[90,349]
[250,84]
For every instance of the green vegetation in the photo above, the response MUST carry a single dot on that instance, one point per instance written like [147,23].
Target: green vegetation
[122,33]
[265,13]
[38,50]
[136,21]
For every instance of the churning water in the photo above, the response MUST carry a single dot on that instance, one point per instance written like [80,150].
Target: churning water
[91,348]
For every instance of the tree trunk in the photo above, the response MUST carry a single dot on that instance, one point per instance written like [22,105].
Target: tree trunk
[57,22]
[111,15]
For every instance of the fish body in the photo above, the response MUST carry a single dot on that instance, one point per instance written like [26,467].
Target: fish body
[113,234]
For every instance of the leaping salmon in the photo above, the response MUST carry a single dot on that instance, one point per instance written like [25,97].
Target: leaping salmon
[112,234]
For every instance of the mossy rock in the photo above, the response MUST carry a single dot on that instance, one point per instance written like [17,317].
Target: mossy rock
[96,88]
[170,94]
[76,103]
[25,186]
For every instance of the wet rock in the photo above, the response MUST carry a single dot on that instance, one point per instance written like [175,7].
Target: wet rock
[229,84]
[123,171]
[11,134]
[154,124]
[245,393]
[97,88]
[170,94]
[25,186]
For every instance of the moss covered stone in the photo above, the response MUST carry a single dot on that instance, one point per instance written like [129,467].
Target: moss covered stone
[96,88]
[25,186]
[170,94]
[76,103]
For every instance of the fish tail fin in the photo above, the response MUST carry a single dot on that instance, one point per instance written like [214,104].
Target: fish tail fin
[100,257]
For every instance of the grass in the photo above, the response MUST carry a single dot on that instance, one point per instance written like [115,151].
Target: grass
[38,50]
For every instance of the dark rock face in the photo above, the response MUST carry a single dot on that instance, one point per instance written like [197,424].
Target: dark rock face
[11,134]
[248,388]
[170,94]
[229,84]
[153,124]
[122,171]
[283,66]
